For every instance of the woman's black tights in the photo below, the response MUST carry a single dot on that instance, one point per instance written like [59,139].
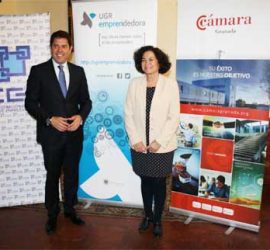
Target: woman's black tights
[153,189]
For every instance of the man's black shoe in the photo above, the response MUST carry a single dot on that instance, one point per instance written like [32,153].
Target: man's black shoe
[75,219]
[50,226]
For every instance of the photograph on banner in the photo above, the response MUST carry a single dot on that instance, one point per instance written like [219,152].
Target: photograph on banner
[185,171]
[215,185]
[190,131]
[247,184]
[106,34]
[219,127]
[224,87]
[251,140]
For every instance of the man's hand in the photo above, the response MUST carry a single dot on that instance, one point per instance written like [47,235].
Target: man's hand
[74,122]
[59,123]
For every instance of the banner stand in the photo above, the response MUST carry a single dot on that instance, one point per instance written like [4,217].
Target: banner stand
[229,230]
[230,223]
[90,202]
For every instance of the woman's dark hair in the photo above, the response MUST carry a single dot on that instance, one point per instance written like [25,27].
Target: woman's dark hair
[203,178]
[163,59]
[60,34]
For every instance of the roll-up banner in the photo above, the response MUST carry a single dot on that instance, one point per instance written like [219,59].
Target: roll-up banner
[218,167]
[106,34]
[24,41]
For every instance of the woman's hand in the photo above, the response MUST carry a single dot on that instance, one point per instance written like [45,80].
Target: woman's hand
[139,147]
[154,147]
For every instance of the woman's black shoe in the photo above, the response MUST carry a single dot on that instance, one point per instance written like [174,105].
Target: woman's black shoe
[144,225]
[157,229]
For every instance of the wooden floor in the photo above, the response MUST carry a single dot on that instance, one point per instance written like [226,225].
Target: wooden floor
[22,228]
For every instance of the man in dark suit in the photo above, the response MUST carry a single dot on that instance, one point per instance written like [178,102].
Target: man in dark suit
[57,97]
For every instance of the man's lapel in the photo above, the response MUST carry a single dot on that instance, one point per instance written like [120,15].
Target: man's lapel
[71,79]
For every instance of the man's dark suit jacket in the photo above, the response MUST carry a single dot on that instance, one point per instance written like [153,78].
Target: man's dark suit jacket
[44,99]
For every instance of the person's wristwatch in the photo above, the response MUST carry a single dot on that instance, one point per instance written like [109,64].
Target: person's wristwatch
[81,123]
[48,121]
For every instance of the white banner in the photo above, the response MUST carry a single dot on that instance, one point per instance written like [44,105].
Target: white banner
[228,29]
[106,33]
[24,41]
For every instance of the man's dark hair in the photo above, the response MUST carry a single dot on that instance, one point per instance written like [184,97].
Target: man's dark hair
[163,59]
[60,34]
[221,178]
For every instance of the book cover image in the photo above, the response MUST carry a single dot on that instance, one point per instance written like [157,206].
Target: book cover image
[217,154]
[247,184]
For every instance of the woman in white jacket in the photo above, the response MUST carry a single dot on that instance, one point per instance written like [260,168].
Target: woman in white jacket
[151,120]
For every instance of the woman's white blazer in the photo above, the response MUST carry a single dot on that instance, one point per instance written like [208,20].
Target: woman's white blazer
[164,113]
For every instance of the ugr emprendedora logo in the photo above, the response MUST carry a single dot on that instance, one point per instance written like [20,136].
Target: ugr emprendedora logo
[87,19]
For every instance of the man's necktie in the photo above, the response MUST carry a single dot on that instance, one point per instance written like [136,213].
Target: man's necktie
[62,80]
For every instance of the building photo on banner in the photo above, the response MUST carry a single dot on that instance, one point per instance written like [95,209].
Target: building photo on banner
[24,41]
[105,38]
[218,167]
